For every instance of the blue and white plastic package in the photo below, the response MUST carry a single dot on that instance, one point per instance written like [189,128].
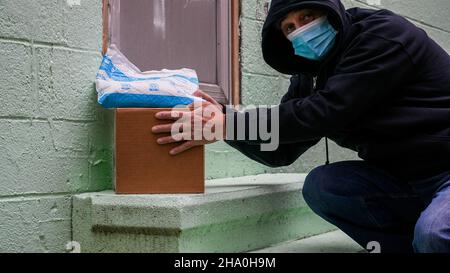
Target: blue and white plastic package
[120,84]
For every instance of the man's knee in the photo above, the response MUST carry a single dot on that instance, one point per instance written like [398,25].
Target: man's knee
[330,189]
[314,187]
[431,235]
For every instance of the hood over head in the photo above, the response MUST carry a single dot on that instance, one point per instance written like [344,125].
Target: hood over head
[278,51]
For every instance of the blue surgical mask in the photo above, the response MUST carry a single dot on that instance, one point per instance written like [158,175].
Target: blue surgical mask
[314,40]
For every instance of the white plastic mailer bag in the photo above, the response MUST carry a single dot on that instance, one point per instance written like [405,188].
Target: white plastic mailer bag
[120,84]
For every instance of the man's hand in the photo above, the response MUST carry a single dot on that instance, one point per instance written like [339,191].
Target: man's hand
[203,124]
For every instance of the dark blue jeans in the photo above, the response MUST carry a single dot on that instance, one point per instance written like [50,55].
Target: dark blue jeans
[371,205]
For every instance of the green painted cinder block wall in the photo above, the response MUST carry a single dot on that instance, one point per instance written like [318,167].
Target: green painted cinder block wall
[56,141]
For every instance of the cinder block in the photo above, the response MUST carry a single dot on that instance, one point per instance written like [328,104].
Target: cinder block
[254,9]
[53,157]
[433,13]
[18,18]
[251,53]
[36,158]
[101,141]
[40,224]
[234,215]
[53,21]
[66,86]
[270,89]
[83,25]
[223,161]
[431,16]
[16,81]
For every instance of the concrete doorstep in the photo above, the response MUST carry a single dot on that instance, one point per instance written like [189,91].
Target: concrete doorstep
[234,215]
[331,242]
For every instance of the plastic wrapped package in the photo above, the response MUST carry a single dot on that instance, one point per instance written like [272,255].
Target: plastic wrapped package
[120,84]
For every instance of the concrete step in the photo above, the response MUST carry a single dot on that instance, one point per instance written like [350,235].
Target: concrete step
[234,215]
[331,242]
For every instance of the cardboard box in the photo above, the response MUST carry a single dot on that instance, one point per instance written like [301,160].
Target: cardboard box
[143,166]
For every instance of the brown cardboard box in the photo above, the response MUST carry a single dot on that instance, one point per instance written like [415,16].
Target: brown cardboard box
[144,166]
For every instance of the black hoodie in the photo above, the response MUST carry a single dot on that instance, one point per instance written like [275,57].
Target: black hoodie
[383,91]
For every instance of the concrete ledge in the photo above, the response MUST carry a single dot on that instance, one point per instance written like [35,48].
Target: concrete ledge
[234,215]
[331,242]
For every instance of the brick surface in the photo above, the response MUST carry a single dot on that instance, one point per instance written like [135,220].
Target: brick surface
[252,58]
[66,83]
[53,21]
[39,224]
[54,156]
[16,80]
[432,12]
